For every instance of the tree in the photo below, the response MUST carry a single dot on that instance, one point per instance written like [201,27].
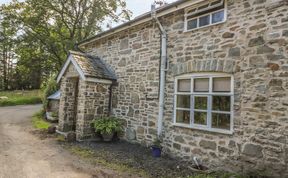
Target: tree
[48,29]
[160,2]
[7,53]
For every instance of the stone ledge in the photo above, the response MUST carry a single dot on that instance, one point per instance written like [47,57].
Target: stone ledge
[210,65]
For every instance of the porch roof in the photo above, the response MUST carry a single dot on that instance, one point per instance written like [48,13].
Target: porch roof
[89,67]
[55,96]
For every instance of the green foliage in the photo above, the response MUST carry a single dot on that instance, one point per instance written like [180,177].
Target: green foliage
[107,125]
[39,122]
[48,89]
[7,51]
[20,97]
[39,34]
[54,114]
[157,143]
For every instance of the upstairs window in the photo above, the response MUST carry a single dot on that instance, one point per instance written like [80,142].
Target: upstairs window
[204,101]
[210,13]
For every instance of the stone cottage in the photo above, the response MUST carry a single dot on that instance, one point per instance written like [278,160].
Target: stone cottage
[209,77]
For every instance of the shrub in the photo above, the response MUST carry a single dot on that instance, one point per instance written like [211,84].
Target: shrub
[48,89]
[157,143]
[107,125]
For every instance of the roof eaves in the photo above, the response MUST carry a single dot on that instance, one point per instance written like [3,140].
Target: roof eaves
[146,16]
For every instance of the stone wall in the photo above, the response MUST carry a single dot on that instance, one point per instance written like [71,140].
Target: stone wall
[251,45]
[54,106]
[134,56]
[80,104]
[93,101]
[67,113]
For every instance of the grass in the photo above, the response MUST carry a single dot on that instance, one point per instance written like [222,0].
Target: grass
[86,153]
[20,97]
[38,122]
[60,138]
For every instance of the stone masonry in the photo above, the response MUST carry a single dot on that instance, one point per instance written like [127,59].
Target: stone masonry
[252,45]
[78,108]
[67,113]
[93,101]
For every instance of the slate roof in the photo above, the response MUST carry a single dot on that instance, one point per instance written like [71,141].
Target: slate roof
[92,66]
[55,96]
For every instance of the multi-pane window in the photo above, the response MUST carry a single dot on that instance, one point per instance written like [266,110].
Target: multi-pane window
[204,101]
[209,13]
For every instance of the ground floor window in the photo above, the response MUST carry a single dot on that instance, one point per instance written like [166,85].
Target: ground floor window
[204,101]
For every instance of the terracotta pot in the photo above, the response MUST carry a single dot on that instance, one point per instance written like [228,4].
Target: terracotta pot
[107,137]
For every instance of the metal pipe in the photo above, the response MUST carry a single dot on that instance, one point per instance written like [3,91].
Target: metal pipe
[110,101]
[162,70]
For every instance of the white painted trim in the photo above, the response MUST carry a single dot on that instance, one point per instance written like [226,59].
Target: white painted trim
[228,132]
[95,80]
[209,95]
[66,65]
[138,22]
[82,75]
[63,70]
[204,9]
[210,19]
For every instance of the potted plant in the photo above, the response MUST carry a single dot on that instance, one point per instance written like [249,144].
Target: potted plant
[156,148]
[107,127]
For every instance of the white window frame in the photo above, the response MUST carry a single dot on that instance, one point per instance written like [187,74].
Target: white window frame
[197,17]
[209,95]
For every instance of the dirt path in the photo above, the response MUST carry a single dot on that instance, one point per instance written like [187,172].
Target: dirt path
[23,155]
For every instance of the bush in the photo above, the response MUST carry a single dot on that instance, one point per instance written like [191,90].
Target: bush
[107,125]
[48,89]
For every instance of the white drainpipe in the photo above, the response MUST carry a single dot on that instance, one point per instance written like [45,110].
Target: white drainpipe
[162,70]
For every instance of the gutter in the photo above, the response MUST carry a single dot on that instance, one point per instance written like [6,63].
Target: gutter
[162,70]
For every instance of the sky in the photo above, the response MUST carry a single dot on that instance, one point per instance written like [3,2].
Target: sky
[138,7]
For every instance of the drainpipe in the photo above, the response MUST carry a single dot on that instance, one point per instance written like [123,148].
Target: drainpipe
[110,101]
[162,69]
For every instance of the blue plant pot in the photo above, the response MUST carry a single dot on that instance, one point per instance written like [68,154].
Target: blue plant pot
[156,152]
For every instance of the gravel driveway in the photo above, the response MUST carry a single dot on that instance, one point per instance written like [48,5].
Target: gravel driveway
[23,155]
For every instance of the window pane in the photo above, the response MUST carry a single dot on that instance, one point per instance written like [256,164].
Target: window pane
[183,101]
[221,103]
[222,84]
[221,121]
[192,24]
[200,103]
[183,117]
[184,85]
[200,118]
[218,17]
[205,20]
[201,85]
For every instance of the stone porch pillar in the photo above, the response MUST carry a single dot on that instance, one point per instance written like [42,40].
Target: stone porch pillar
[67,113]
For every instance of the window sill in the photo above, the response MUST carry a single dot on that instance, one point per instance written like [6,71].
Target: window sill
[227,132]
[186,31]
